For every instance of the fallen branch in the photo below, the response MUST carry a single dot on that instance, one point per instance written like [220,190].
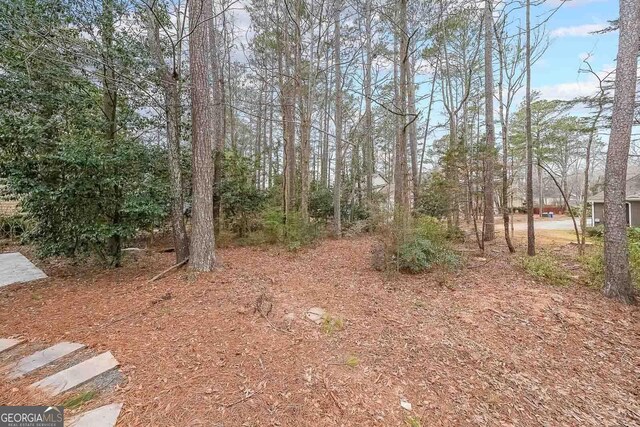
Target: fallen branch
[270,323]
[173,267]
[333,396]
[566,201]
[229,405]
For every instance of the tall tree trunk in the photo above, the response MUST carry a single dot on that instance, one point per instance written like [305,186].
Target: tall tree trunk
[258,146]
[489,223]
[169,82]
[504,121]
[231,98]
[593,132]
[305,119]
[338,121]
[369,151]
[531,237]
[617,278]
[109,109]
[428,120]
[202,239]
[271,171]
[287,101]
[401,210]
[413,137]
[540,190]
[218,123]
[324,158]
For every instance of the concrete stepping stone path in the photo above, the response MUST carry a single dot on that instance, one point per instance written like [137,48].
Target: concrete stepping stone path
[65,380]
[42,358]
[7,343]
[104,416]
[15,268]
[77,375]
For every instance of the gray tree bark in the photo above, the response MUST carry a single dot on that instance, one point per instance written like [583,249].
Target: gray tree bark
[531,237]
[489,223]
[169,80]
[338,121]
[413,133]
[400,163]
[504,120]
[109,109]
[617,278]
[369,152]
[202,236]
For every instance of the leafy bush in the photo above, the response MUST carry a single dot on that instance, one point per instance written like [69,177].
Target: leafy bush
[320,202]
[576,211]
[417,255]
[544,266]
[13,226]
[273,225]
[85,192]
[597,231]
[593,263]
[593,260]
[241,199]
[431,228]
[295,233]
[414,250]
[435,196]
[89,193]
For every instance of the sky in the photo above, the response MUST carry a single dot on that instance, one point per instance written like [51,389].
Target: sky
[556,74]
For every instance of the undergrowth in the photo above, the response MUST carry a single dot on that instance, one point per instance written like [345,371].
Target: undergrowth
[593,260]
[79,399]
[544,266]
[416,248]
[331,324]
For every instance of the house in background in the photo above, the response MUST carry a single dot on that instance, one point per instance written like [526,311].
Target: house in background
[8,203]
[632,203]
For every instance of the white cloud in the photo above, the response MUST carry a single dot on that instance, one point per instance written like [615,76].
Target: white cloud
[586,86]
[577,31]
[569,90]
[573,3]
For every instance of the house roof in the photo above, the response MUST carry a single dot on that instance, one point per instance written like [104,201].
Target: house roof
[633,191]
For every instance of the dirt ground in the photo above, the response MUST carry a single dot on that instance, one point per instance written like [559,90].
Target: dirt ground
[486,345]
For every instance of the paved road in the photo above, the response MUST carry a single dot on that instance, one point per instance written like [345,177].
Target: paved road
[548,224]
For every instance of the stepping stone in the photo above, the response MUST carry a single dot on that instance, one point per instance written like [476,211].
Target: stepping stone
[104,416]
[77,374]
[7,343]
[316,315]
[15,267]
[42,358]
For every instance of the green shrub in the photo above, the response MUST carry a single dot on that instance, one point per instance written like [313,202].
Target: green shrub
[597,231]
[298,233]
[293,233]
[593,263]
[241,199]
[593,260]
[435,196]
[576,211]
[12,227]
[430,228]
[544,266]
[273,225]
[417,255]
[320,202]
[414,250]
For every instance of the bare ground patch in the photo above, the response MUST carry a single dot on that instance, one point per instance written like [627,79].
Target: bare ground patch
[483,346]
